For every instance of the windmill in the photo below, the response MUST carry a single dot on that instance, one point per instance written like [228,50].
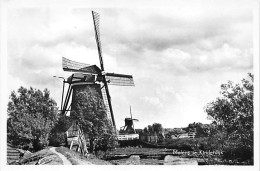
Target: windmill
[129,125]
[91,76]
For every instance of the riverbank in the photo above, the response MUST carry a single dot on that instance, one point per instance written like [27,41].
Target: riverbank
[157,156]
[168,160]
[125,156]
[147,156]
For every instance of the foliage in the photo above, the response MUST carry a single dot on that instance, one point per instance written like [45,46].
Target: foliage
[156,128]
[202,143]
[89,110]
[57,135]
[202,130]
[176,132]
[233,112]
[180,143]
[57,139]
[31,116]
[106,141]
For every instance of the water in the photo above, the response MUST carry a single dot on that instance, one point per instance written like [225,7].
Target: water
[168,160]
[175,160]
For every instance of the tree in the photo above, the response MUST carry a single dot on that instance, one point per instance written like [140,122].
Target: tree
[57,135]
[157,128]
[233,111]
[150,129]
[176,132]
[31,116]
[202,130]
[89,110]
[145,131]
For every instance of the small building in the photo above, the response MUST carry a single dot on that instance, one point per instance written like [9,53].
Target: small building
[174,136]
[123,137]
[76,139]
[184,135]
[192,134]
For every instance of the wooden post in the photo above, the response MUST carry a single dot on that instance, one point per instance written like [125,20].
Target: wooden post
[71,144]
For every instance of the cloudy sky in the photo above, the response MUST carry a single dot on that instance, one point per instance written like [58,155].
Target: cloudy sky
[179,54]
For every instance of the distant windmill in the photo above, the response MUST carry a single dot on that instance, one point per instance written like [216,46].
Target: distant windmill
[87,76]
[129,125]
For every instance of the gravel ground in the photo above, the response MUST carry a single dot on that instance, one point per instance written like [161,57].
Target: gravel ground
[65,161]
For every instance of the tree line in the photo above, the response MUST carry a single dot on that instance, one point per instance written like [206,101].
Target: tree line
[231,130]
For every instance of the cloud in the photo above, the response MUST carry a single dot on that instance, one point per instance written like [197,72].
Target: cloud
[178,56]
[162,30]
[153,101]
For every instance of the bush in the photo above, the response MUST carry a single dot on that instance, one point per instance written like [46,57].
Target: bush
[193,144]
[238,152]
[100,154]
[106,142]
[57,136]
[58,139]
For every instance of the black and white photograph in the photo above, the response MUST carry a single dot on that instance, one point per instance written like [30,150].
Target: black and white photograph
[130,83]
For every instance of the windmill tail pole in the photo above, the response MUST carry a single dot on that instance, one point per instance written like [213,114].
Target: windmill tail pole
[62,94]
[131,112]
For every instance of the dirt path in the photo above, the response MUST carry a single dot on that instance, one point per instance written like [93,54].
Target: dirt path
[63,158]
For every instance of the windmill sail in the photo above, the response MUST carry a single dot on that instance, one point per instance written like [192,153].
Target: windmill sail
[104,95]
[69,65]
[119,79]
[97,35]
